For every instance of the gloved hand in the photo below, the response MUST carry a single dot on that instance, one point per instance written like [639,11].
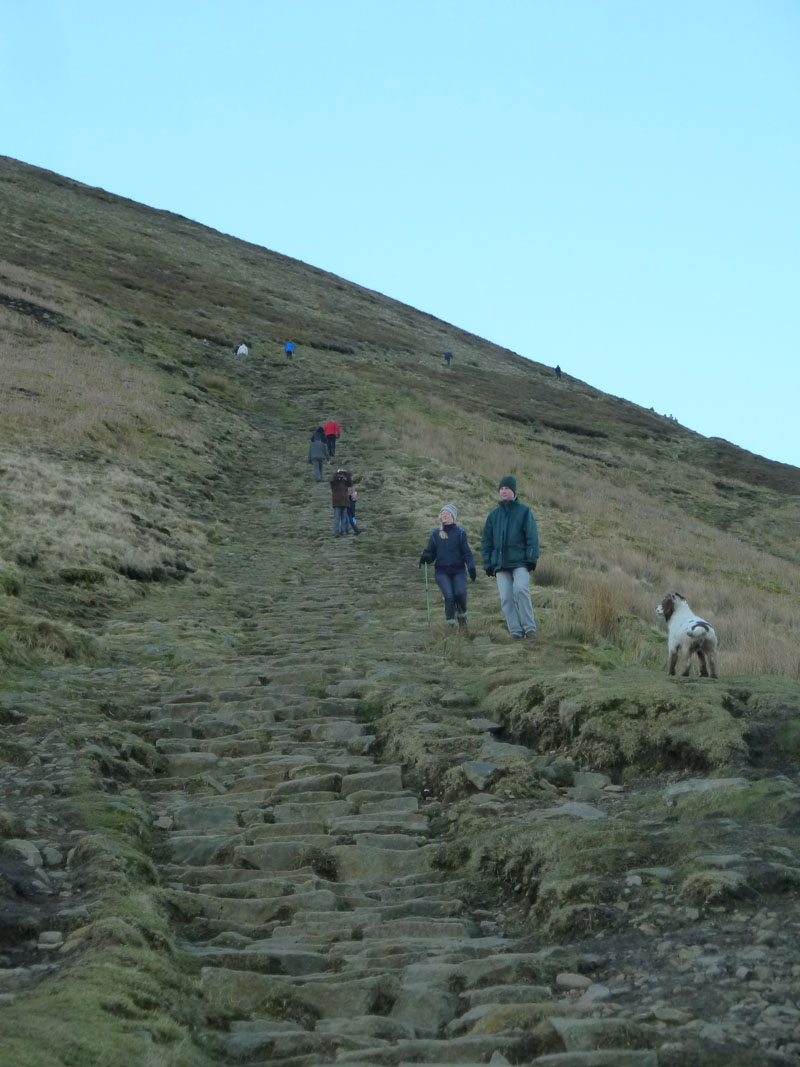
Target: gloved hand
[489,572]
[473,574]
[531,566]
[421,560]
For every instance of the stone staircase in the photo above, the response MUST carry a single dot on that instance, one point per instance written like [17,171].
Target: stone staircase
[302,872]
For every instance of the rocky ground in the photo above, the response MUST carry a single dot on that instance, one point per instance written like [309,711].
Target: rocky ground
[341,824]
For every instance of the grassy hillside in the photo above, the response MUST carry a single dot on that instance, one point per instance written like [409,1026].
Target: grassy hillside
[158,517]
[115,413]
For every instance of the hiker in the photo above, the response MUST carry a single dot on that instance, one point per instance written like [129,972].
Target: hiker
[558,371]
[288,348]
[352,498]
[447,357]
[341,482]
[242,349]
[319,435]
[448,548]
[317,454]
[510,549]
[332,431]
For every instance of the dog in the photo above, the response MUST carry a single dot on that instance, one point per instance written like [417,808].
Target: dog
[688,635]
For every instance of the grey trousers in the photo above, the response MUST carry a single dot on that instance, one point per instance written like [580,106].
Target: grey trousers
[341,522]
[514,588]
[316,466]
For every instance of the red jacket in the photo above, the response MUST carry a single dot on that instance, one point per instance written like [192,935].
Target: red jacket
[332,427]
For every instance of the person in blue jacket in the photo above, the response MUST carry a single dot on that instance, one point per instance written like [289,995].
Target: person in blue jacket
[510,549]
[448,548]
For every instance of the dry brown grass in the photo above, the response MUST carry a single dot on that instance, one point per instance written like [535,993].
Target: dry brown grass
[609,547]
[218,383]
[66,515]
[60,392]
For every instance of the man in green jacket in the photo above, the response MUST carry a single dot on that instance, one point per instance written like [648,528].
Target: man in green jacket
[510,549]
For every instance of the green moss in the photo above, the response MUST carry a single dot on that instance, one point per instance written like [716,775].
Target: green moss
[113,1006]
[629,722]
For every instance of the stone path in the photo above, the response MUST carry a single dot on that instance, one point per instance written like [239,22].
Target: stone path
[310,877]
[302,868]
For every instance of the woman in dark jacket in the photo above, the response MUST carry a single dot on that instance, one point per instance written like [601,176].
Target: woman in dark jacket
[448,548]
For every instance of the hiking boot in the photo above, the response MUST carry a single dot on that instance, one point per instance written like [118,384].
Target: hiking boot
[530,635]
[518,636]
[451,622]
[462,622]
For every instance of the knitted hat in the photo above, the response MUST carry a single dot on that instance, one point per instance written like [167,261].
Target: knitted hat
[510,481]
[451,508]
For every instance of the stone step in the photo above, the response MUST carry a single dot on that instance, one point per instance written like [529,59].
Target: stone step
[258,887]
[196,818]
[278,856]
[439,890]
[298,831]
[239,801]
[316,927]
[381,822]
[420,927]
[463,1050]
[224,874]
[373,802]
[201,849]
[601,1058]
[160,789]
[339,763]
[396,842]
[311,806]
[188,764]
[278,1040]
[279,744]
[362,863]
[376,956]
[168,727]
[224,748]
[246,992]
[423,907]
[507,994]
[255,910]
[185,711]
[387,778]
[264,957]
[493,968]
[320,783]
[336,729]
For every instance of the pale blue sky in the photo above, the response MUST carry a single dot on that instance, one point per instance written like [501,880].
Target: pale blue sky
[612,185]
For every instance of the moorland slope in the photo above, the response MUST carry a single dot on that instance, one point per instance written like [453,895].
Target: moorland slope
[255,806]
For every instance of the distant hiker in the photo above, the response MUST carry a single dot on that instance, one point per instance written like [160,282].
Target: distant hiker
[205,342]
[558,371]
[510,549]
[332,433]
[288,348]
[448,548]
[341,484]
[352,498]
[447,357]
[319,435]
[242,349]
[317,454]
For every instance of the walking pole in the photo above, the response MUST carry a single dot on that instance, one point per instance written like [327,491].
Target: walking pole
[427,595]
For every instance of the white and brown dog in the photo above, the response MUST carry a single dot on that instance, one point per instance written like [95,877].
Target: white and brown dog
[688,635]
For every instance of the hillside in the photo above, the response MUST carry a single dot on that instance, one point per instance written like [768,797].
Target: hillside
[255,806]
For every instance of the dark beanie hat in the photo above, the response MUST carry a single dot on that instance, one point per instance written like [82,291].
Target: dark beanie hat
[510,481]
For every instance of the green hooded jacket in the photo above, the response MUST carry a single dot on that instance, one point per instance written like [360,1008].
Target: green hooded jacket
[510,537]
